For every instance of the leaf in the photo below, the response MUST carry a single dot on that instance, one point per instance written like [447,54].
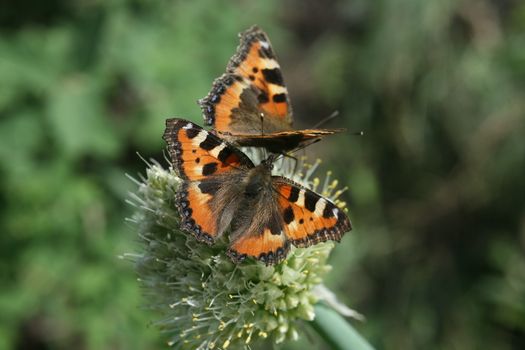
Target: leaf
[339,334]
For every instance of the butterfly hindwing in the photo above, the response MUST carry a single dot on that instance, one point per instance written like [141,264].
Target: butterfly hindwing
[201,160]
[308,217]
[293,215]
[194,206]
[264,246]
[257,230]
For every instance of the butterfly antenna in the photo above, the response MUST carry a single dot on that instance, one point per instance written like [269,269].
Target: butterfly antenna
[304,145]
[332,116]
[327,119]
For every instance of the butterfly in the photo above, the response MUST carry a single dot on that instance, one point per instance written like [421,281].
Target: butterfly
[249,105]
[222,190]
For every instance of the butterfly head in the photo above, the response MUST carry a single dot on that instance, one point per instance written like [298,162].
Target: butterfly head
[268,162]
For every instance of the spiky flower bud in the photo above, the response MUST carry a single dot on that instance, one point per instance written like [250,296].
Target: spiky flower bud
[206,301]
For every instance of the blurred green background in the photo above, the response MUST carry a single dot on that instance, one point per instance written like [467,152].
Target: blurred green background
[437,184]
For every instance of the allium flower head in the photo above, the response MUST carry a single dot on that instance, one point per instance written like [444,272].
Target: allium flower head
[206,301]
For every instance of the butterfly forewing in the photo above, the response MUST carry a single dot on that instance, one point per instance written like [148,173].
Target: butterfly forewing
[255,60]
[253,80]
[308,217]
[250,105]
[198,154]
[202,160]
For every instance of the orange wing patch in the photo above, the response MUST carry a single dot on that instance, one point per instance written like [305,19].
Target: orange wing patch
[262,69]
[308,217]
[230,100]
[194,207]
[266,247]
[224,101]
[197,154]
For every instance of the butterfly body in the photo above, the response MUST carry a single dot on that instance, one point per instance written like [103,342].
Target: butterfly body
[250,105]
[222,190]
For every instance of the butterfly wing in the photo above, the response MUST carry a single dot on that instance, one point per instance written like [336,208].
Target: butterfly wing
[308,217]
[253,84]
[282,141]
[203,161]
[263,246]
[291,215]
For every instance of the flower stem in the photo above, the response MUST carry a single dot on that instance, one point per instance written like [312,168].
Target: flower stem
[337,333]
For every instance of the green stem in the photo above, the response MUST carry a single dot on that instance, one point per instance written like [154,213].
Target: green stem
[337,333]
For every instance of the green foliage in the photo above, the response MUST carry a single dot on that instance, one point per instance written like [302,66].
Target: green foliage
[436,195]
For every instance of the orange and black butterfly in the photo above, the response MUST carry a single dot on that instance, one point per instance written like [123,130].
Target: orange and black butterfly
[249,104]
[223,190]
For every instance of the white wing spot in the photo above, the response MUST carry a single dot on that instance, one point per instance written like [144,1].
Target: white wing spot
[188,126]
[319,207]
[300,199]
[335,211]
[265,44]
[200,137]
[215,152]
[270,63]
[202,198]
